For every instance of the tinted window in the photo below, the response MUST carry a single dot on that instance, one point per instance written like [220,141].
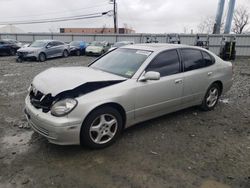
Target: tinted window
[59,43]
[192,59]
[166,63]
[207,58]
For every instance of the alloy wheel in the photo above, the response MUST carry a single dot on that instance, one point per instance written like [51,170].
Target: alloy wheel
[103,128]
[212,97]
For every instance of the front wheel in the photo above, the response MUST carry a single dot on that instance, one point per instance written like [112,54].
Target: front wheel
[211,98]
[42,57]
[65,53]
[101,128]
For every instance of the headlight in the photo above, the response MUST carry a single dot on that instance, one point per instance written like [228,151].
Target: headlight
[63,107]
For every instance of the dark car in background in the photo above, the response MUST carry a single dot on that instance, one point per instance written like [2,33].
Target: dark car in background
[77,48]
[8,47]
[41,50]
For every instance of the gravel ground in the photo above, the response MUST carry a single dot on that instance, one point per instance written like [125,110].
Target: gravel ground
[188,148]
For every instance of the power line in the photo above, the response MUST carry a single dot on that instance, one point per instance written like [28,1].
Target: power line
[60,19]
[61,12]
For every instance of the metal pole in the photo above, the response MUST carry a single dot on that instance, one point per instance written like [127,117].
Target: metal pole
[115,16]
[218,18]
[230,14]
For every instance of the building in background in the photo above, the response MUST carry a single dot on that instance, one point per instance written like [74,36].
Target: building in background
[96,30]
[10,29]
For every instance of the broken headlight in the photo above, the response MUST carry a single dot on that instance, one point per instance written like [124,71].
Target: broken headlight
[63,107]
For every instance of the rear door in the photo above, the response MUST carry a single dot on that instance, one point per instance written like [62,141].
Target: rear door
[59,48]
[156,97]
[197,74]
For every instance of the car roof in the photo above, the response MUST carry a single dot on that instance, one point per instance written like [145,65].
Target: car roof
[47,40]
[158,46]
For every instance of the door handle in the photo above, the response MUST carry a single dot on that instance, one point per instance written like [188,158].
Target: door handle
[209,73]
[178,81]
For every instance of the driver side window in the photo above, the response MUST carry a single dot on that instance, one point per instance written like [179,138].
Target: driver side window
[166,63]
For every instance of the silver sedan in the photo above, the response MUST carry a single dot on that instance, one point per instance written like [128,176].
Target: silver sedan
[93,105]
[41,50]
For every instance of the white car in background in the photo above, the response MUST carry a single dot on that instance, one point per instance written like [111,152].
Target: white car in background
[120,44]
[97,48]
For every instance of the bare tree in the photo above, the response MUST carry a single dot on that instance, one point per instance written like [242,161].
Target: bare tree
[240,20]
[207,25]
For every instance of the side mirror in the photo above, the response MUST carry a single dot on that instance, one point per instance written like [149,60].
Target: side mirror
[48,46]
[151,75]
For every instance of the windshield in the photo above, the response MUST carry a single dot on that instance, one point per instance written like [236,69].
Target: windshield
[119,44]
[96,43]
[38,44]
[75,43]
[123,62]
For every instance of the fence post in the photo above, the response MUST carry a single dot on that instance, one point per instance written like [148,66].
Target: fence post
[141,38]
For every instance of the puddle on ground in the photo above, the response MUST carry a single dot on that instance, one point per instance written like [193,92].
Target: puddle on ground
[10,75]
[9,119]
[18,143]
[213,184]
[11,94]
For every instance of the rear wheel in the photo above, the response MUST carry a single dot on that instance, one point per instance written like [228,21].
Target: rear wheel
[101,128]
[78,52]
[12,52]
[42,57]
[211,98]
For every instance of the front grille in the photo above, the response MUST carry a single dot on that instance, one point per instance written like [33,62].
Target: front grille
[40,100]
[22,54]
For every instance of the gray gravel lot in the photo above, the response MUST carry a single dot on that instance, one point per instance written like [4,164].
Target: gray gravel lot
[188,148]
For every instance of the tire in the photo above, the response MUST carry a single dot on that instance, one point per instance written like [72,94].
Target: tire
[98,131]
[42,57]
[12,52]
[78,53]
[211,98]
[65,53]
[19,60]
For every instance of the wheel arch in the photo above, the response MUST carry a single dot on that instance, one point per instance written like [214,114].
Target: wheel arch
[114,105]
[220,84]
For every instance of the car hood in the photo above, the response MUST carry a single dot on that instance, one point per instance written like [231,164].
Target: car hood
[90,48]
[56,80]
[28,49]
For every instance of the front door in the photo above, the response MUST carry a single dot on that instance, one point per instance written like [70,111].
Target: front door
[157,97]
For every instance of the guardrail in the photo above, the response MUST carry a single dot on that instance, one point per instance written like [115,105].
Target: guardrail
[242,41]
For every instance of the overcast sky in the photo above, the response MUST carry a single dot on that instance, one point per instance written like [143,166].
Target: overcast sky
[145,16]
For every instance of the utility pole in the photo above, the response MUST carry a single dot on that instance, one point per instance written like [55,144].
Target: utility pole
[230,14]
[218,18]
[115,16]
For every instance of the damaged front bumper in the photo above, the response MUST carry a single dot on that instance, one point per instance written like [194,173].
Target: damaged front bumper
[58,130]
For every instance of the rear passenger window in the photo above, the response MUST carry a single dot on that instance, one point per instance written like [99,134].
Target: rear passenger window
[207,58]
[192,59]
[166,63]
